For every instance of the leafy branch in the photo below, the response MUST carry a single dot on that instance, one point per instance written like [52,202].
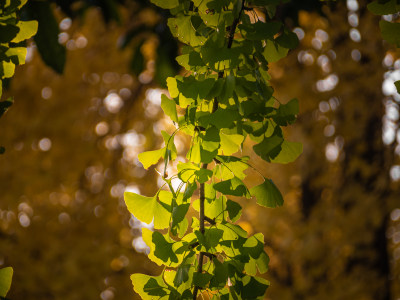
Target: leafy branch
[223,99]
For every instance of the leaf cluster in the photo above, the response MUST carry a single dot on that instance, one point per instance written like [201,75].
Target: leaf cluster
[13,34]
[223,99]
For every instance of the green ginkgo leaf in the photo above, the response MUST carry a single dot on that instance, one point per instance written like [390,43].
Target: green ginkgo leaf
[27,30]
[289,152]
[146,209]
[267,194]
[150,158]
[273,51]
[6,275]
[17,55]
[169,108]
[230,143]
[149,287]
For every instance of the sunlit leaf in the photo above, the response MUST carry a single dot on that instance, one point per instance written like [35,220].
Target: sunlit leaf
[27,30]
[6,275]
[290,151]
[149,158]
[184,28]
[149,286]
[231,231]
[17,55]
[253,287]
[146,208]
[230,143]
[169,107]
[7,69]
[172,87]
[269,148]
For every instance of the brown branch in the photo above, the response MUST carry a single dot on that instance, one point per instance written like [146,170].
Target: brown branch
[209,220]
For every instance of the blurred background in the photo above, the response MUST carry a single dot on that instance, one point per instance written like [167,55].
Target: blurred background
[88,101]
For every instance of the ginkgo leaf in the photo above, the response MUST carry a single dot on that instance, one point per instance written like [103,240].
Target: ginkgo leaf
[267,194]
[149,158]
[6,275]
[172,87]
[161,248]
[184,27]
[149,287]
[146,209]
[169,108]
[273,51]
[17,55]
[27,30]
[290,151]
[230,143]
[7,69]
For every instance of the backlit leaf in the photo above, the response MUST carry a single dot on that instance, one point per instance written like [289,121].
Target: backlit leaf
[169,107]
[149,287]
[6,275]
[290,151]
[146,208]
[7,69]
[17,55]
[150,158]
[230,143]
[27,30]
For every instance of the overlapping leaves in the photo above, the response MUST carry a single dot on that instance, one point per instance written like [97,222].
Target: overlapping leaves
[224,98]
[12,50]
